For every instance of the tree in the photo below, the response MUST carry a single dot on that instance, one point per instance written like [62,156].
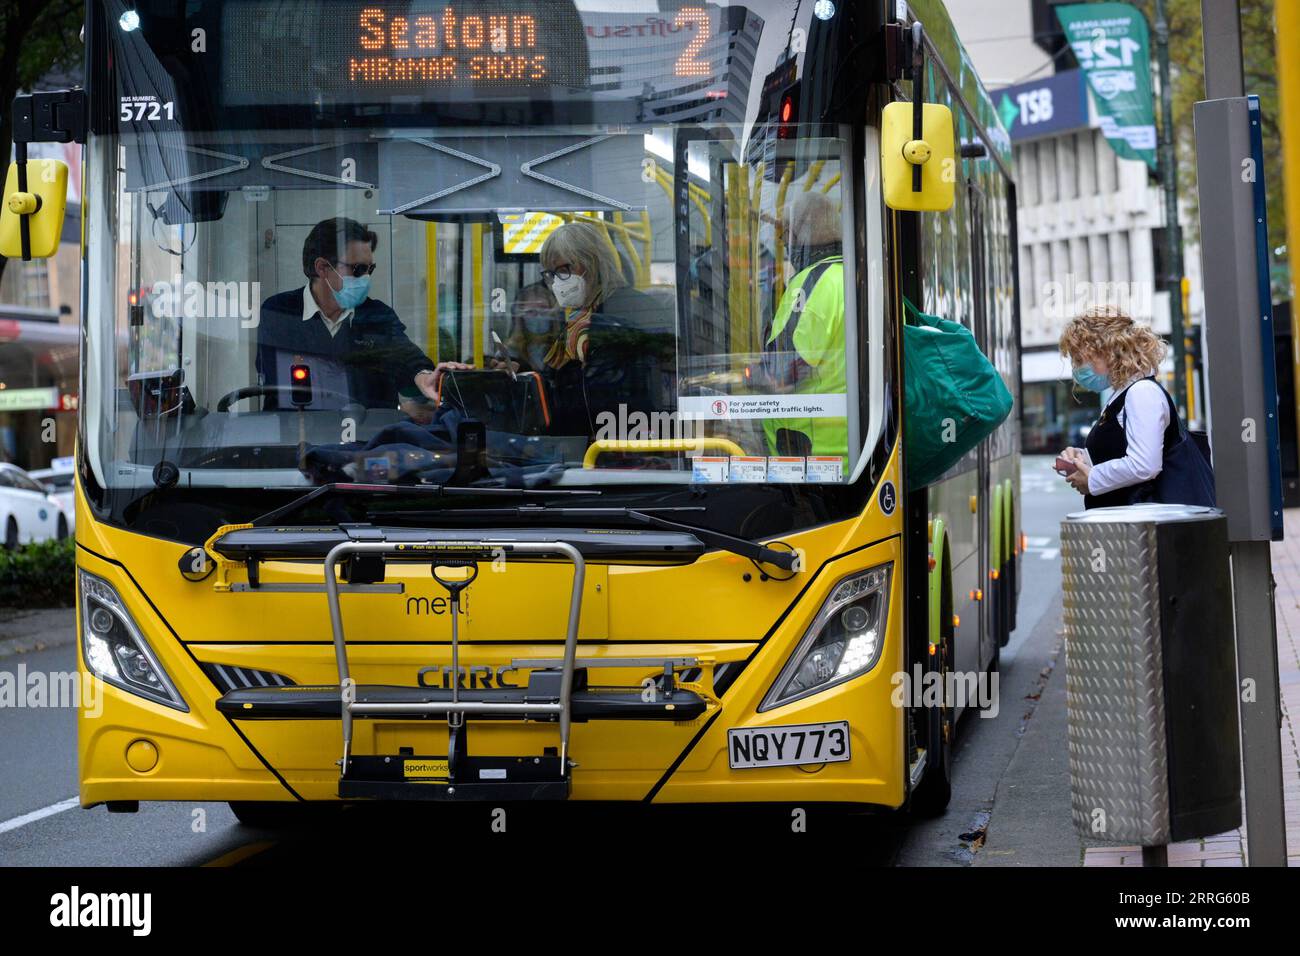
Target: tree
[36,36]
[1187,71]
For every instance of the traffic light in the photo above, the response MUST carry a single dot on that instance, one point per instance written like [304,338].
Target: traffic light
[788,114]
[300,385]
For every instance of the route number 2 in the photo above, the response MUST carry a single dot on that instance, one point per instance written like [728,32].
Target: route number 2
[689,63]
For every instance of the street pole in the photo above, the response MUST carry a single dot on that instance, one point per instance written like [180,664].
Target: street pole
[1287,15]
[1234,348]
[1173,277]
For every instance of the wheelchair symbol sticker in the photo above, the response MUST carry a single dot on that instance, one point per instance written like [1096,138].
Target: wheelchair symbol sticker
[887,498]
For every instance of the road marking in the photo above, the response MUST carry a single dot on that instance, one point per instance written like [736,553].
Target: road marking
[1039,546]
[241,854]
[1043,487]
[40,814]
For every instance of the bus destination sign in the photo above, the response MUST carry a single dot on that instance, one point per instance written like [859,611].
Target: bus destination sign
[362,51]
[499,45]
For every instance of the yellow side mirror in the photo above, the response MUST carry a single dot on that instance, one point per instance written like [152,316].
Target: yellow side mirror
[934,153]
[41,205]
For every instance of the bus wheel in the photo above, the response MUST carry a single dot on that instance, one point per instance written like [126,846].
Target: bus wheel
[279,815]
[931,796]
[11,535]
[63,528]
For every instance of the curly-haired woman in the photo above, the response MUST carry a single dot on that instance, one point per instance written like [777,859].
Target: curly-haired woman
[1125,449]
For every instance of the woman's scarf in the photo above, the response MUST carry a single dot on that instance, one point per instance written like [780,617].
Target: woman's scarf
[572,344]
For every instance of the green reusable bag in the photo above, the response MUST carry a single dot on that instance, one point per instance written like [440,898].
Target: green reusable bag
[953,397]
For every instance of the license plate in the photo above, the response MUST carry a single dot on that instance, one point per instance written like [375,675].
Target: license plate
[790,746]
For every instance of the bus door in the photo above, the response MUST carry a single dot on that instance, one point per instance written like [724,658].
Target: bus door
[984,484]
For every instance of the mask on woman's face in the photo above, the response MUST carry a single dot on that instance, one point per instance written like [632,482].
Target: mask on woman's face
[571,293]
[538,321]
[1087,377]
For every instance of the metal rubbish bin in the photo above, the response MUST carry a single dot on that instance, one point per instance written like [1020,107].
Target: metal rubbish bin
[1155,754]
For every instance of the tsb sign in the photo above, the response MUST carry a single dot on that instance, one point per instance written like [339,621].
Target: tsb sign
[1035,106]
[1052,105]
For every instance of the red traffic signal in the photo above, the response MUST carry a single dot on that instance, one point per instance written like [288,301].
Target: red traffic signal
[300,385]
[788,113]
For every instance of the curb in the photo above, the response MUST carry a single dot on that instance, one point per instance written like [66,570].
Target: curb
[22,632]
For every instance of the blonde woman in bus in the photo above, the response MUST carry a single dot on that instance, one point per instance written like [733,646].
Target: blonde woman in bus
[1126,448]
[616,346]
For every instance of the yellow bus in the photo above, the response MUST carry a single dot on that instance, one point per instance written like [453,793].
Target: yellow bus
[503,400]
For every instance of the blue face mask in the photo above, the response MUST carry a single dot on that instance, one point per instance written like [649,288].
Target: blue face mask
[1086,377]
[354,290]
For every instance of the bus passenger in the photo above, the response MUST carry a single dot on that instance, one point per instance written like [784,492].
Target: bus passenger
[535,321]
[357,345]
[803,349]
[1132,442]
[616,347]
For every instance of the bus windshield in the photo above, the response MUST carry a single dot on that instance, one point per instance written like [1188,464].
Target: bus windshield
[526,244]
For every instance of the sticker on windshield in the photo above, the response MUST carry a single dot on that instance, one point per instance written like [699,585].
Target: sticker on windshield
[523,233]
[708,407]
[785,470]
[822,469]
[146,108]
[709,469]
[748,468]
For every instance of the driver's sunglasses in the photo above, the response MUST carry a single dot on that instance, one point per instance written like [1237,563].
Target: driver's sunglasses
[358,270]
[560,272]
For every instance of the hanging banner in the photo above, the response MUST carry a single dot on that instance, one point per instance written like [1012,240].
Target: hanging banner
[1111,43]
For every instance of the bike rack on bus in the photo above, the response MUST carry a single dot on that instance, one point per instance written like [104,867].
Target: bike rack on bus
[453,554]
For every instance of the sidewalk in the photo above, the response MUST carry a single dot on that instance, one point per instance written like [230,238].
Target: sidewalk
[1228,849]
[22,631]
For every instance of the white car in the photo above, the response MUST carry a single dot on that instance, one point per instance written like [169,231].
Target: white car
[60,480]
[28,512]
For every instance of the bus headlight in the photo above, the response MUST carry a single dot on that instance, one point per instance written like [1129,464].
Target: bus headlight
[115,650]
[843,641]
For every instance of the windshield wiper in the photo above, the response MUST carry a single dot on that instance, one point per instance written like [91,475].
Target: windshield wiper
[437,491]
[759,553]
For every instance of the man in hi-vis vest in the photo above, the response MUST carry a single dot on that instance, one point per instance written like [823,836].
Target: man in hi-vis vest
[803,349]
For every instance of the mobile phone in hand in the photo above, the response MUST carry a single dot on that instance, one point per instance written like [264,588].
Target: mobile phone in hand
[1065,466]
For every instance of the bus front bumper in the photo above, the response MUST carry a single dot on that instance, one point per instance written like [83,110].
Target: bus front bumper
[225,745]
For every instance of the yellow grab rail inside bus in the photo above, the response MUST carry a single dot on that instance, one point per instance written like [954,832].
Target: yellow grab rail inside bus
[699,197]
[814,174]
[603,445]
[780,230]
[431,289]
[476,291]
[624,231]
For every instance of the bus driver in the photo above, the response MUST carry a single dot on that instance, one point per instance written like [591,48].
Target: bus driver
[357,345]
[803,349]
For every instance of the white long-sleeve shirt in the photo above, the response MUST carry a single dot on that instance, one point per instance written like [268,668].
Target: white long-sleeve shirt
[1144,418]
